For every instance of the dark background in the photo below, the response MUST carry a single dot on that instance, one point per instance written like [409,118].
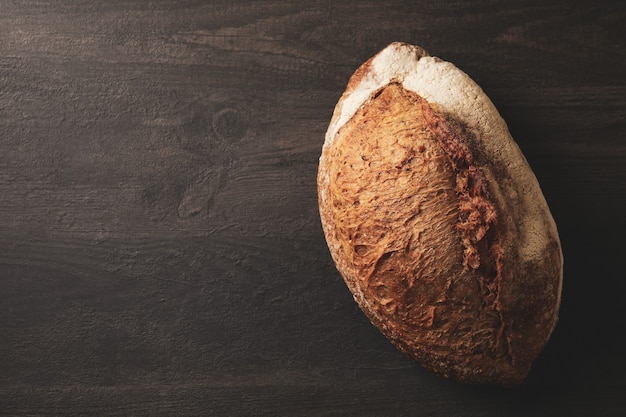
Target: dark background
[160,247]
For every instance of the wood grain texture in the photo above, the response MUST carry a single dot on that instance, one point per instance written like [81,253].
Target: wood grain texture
[160,245]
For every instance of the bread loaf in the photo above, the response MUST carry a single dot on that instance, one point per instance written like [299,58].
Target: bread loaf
[435,220]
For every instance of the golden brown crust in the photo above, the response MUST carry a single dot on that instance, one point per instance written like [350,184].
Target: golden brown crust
[418,216]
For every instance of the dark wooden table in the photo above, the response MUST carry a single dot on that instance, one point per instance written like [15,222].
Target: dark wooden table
[160,247]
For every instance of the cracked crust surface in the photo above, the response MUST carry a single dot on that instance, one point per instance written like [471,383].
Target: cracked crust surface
[435,220]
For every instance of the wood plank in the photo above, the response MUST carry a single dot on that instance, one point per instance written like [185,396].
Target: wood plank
[160,245]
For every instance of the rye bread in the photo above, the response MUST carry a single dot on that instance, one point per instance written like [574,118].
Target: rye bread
[435,220]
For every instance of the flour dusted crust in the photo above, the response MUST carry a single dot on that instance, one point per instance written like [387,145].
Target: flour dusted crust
[435,220]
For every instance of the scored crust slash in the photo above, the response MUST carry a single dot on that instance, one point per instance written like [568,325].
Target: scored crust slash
[435,220]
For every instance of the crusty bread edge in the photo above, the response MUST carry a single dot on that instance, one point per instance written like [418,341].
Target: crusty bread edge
[452,92]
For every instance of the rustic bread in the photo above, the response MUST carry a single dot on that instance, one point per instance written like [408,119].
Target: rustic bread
[435,220]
